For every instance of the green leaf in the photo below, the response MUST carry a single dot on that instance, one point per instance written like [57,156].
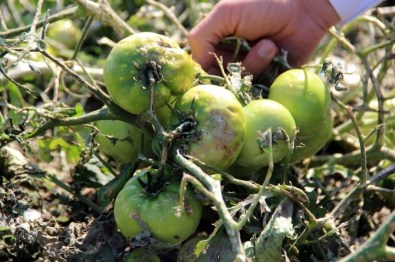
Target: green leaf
[15,95]
[43,150]
[41,45]
[200,247]
[79,110]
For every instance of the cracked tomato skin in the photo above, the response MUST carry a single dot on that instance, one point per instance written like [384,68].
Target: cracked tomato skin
[135,211]
[134,58]
[305,95]
[261,115]
[220,124]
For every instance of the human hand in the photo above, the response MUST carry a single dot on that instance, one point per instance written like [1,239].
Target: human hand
[296,26]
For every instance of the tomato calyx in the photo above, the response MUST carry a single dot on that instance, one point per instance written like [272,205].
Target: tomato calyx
[150,73]
[187,128]
[279,134]
[268,137]
[334,73]
[186,133]
[155,182]
[187,124]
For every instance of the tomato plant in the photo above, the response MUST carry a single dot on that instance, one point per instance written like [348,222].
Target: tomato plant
[161,214]
[144,59]
[220,124]
[305,95]
[261,115]
[50,99]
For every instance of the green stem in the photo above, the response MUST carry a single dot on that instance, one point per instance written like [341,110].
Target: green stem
[83,199]
[82,38]
[100,114]
[364,172]
[365,52]
[373,155]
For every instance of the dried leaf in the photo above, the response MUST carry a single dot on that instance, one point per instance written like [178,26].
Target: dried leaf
[268,246]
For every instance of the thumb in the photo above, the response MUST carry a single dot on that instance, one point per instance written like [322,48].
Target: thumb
[260,56]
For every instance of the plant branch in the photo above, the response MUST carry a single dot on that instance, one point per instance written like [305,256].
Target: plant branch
[373,155]
[103,12]
[55,17]
[100,94]
[364,172]
[170,15]
[214,187]
[375,248]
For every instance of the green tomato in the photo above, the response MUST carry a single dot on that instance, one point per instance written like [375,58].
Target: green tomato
[164,113]
[262,115]
[127,145]
[140,254]
[139,58]
[64,32]
[135,210]
[305,95]
[309,146]
[220,124]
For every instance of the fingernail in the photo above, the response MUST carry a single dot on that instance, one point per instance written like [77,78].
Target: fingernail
[266,50]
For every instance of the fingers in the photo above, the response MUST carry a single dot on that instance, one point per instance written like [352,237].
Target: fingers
[260,56]
[255,61]
[202,47]
[221,22]
[209,32]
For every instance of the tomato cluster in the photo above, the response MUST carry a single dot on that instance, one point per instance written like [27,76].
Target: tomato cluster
[207,122]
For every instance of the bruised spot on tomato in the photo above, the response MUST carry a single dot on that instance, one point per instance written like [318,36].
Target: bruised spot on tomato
[221,129]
